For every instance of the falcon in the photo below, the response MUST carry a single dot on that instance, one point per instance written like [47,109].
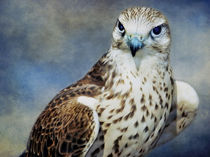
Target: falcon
[126,105]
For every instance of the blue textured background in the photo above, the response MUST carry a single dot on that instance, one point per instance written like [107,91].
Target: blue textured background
[45,45]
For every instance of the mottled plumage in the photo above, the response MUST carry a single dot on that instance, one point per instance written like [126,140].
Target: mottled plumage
[127,104]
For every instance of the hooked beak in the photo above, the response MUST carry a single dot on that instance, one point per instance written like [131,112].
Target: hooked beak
[135,44]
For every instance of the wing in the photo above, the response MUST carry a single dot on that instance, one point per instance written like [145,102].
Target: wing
[65,129]
[183,111]
[69,124]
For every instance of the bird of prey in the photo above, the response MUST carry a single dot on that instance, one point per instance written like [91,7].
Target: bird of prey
[128,102]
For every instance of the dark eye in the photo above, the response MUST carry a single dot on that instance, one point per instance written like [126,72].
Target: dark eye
[120,26]
[156,31]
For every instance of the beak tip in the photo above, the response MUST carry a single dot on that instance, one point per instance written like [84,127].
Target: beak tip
[133,53]
[135,44]
[135,48]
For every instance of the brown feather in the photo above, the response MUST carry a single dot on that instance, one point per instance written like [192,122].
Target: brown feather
[65,127]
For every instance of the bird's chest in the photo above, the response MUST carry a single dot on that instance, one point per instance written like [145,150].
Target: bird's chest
[132,112]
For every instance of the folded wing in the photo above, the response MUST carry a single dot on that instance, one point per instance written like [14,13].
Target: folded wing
[67,130]
[183,111]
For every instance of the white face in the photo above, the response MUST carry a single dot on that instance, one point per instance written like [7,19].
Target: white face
[140,29]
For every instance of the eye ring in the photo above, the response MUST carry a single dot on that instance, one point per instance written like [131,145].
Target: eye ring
[120,27]
[156,31]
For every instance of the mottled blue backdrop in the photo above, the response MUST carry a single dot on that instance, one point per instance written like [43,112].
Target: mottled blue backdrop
[45,45]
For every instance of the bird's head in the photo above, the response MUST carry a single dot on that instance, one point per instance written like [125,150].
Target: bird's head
[141,29]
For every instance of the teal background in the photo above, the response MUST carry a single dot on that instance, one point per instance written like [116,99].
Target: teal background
[45,45]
